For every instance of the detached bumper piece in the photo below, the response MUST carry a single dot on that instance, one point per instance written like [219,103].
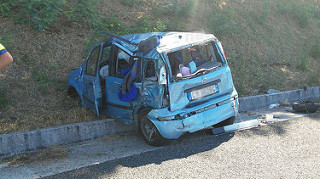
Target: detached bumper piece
[236,126]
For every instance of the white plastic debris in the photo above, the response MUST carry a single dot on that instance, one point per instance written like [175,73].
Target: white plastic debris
[274,105]
[236,126]
[268,119]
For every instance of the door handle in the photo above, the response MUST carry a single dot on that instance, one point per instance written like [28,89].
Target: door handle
[117,83]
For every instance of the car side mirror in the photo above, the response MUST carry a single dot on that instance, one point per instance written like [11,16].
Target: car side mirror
[162,76]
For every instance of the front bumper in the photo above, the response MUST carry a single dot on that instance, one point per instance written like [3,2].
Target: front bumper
[195,118]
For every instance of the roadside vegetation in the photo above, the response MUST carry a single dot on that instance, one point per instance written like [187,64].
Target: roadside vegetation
[269,44]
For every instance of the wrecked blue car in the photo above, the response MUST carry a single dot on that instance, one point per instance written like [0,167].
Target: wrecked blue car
[168,83]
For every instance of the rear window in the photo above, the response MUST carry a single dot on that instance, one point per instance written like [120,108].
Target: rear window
[194,60]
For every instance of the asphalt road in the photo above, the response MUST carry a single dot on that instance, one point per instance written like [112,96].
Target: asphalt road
[287,149]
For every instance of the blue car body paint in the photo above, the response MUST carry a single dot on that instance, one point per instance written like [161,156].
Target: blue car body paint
[173,108]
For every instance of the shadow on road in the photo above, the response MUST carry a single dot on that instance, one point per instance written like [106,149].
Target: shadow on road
[278,128]
[182,149]
[315,116]
[190,144]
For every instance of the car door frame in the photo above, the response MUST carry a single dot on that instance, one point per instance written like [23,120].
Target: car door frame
[116,108]
[91,95]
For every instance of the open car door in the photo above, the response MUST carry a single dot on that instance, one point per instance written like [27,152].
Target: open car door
[120,64]
[91,81]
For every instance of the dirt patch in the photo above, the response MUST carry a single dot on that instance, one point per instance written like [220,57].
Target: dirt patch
[47,155]
[112,138]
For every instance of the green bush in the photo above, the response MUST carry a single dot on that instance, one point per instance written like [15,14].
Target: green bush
[112,24]
[39,13]
[6,7]
[42,13]
[83,12]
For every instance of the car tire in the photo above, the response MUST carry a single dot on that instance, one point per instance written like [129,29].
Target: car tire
[226,122]
[149,131]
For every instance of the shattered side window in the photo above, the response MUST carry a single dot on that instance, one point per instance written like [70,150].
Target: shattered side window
[191,60]
[150,70]
[92,62]
[123,63]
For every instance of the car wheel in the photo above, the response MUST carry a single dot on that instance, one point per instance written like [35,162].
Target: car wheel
[226,122]
[149,131]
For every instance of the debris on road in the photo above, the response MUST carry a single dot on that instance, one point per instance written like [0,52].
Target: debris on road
[236,126]
[247,120]
[268,119]
[308,106]
[274,105]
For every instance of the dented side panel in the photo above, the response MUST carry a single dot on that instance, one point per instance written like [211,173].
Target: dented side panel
[152,95]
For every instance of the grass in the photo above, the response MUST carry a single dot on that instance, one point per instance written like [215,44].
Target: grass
[303,64]
[145,25]
[263,13]
[313,78]
[130,3]
[302,15]
[3,99]
[174,8]
[315,51]
[42,79]
[5,38]
[302,12]
[221,21]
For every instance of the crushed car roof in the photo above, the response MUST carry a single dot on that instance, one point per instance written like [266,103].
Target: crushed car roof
[169,41]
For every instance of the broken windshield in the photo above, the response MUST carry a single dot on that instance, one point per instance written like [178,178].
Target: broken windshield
[194,60]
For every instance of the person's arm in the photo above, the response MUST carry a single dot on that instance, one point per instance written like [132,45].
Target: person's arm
[5,57]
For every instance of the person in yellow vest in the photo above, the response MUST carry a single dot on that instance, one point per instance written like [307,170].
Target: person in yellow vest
[5,57]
